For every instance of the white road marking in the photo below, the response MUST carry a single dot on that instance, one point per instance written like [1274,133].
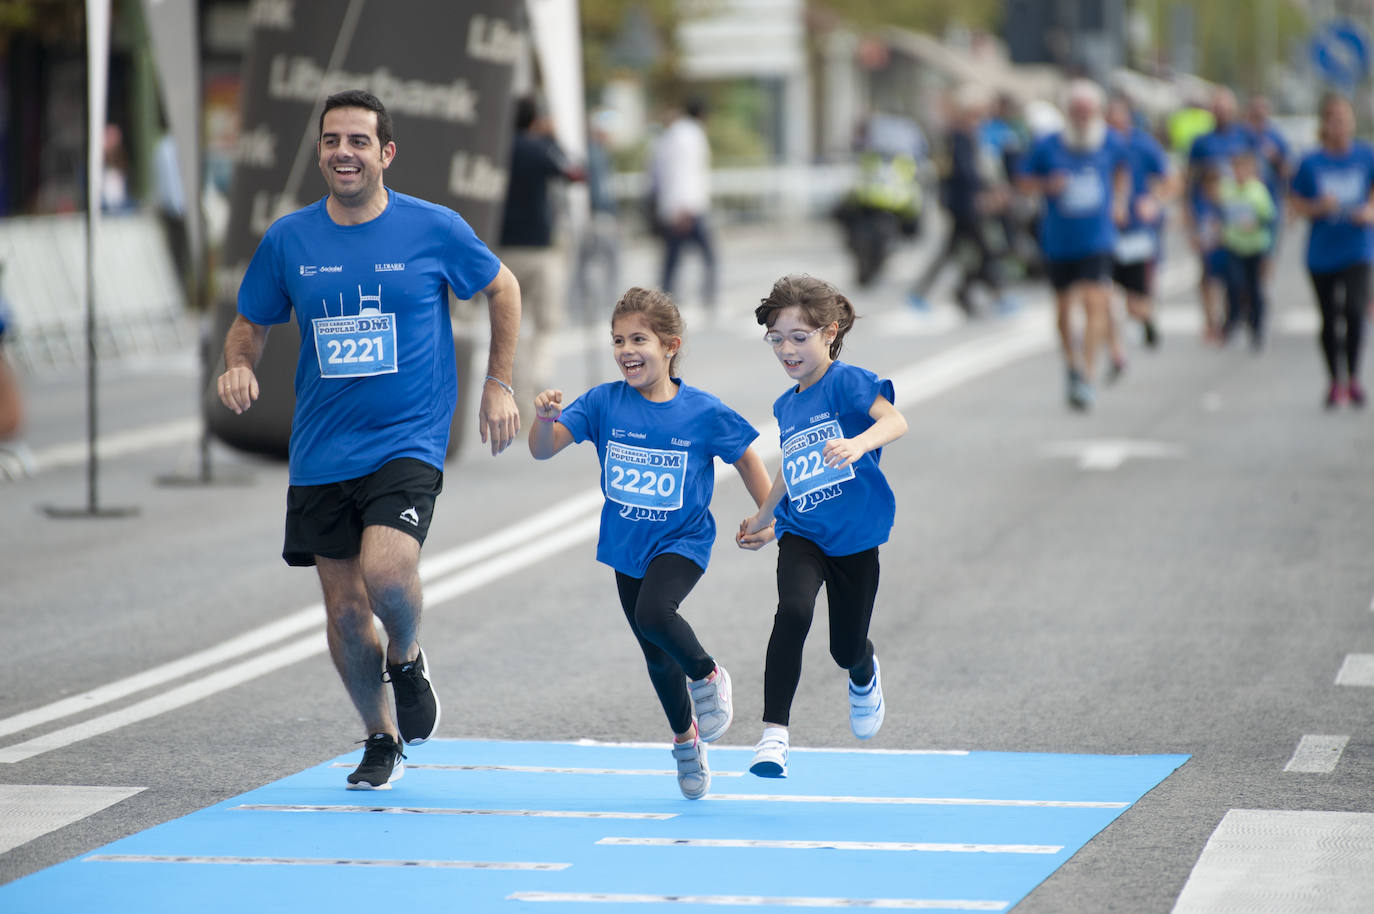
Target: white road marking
[915,801]
[568,523]
[441,811]
[1356,670]
[1109,453]
[325,861]
[1317,754]
[838,845]
[537,769]
[764,901]
[28,811]
[117,444]
[1271,861]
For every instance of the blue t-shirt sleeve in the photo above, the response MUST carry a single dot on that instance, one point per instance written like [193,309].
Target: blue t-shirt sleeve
[1037,164]
[861,387]
[1305,181]
[262,294]
[470,266]
[580,418]
[732,434]
[1157,159]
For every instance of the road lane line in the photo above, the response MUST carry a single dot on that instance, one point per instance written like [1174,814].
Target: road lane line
[438,811]
[923,847]
[325,861]
[562,525]
[1317,754]
[763,901]
[916,801]
[117,444]
[1356,670]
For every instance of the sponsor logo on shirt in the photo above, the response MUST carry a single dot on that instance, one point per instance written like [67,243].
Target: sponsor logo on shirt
[311,270]
[819,417]
[307,271]
[680,442]
[333,269]
[389,268]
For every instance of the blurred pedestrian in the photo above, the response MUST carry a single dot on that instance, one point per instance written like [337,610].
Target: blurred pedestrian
[830,504]
[1083,175]
[658,440]
[1137,252]
[11,399]
[1212,150]
[680,172]
[529,244]
[598,254]
[1248,216]
[971,192]
[1334,189]
[375,393]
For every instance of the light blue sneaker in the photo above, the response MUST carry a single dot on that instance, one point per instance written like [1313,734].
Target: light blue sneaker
[917,302]
[866,707]
[712,704]
[693,777]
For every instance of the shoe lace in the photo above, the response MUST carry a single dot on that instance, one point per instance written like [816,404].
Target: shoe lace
[372,748]
[408,678]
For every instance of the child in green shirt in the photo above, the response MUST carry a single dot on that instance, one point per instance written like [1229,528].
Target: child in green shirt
[1248,236]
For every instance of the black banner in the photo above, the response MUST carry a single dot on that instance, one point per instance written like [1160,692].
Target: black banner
[444,72]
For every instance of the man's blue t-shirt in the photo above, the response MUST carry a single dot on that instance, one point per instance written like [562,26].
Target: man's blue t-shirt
[1138,239]
[843,511]
[1335,242]
[1077,223]
[376,379]
[1269,144]
[657,469]
[1214,150]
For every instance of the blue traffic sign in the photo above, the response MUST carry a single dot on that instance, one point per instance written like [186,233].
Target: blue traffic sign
[1340,53]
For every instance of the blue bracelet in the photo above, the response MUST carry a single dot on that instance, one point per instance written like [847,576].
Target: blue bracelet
[510,390]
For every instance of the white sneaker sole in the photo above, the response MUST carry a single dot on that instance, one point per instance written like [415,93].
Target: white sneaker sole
[396,774]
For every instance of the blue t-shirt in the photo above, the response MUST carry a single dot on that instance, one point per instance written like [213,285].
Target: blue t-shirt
[1138,239]
[1335,242]
[1214,149]
[1268,144]
[376,379]
[657,469]
[1078,223]
[843,511]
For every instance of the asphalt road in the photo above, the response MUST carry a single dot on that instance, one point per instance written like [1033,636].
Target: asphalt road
[1183,570]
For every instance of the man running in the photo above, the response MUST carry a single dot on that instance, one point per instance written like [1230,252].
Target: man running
[367,272]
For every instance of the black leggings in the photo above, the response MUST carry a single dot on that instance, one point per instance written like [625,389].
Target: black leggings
[851,586]
[670,647]
[1343,297]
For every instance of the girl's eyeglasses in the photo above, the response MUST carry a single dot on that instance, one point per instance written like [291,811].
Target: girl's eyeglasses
[798,338]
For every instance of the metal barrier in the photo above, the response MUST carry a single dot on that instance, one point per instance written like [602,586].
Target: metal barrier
[140,302]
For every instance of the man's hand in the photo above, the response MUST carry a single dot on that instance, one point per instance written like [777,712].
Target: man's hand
[238,388]
[498,419]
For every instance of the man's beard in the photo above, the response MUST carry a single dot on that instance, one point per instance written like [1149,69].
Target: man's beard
[1087,138]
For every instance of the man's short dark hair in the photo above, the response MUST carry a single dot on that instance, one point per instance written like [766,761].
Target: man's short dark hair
[360,98]
[695,107]
[526,111]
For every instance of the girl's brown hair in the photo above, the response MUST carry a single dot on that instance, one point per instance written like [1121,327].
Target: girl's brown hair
[659,312]
[821,304]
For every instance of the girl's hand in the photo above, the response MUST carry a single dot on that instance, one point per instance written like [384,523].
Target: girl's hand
[841,452]
[549,404]
[754,531]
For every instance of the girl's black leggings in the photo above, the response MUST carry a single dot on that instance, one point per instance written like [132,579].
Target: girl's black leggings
[670,647]
[1342,296]
[851,586]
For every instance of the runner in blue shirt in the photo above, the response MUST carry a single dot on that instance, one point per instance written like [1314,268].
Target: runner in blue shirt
[1272,152]
[1137,250]
[367,272]
[657,439]
[1082,173]
[830,504]
[1209,154]
[1334,188]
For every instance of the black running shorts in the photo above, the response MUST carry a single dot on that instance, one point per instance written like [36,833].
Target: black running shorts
[1135,278]
[1066,273]
[328,519]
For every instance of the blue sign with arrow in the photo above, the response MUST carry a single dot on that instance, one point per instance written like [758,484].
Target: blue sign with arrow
[1340,53]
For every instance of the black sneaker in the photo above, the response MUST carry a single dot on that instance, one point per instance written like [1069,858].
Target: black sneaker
[417,707]
[1151,333]
[381,764]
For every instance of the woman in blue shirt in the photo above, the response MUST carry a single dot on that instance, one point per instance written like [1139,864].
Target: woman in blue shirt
[1334,189]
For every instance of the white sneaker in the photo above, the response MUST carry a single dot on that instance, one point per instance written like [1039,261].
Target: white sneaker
[866,708]
[693,777]
[712,704]
[770,755]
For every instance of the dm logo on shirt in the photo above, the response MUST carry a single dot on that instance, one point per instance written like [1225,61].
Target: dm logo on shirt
[647,482]
[809,481]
